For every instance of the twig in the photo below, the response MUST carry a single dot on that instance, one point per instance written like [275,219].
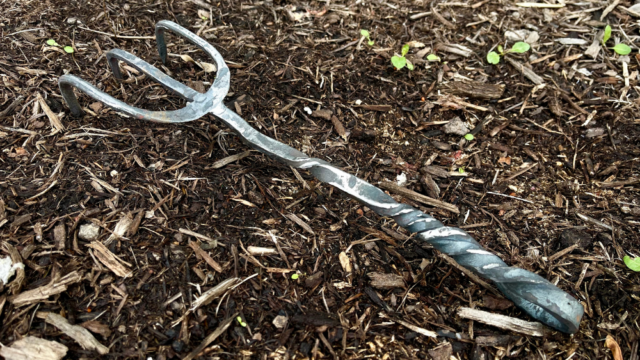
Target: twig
[471,275]
[528,73]
[509,196]
[211,337]
[503,322]
[418,197]
[520,172]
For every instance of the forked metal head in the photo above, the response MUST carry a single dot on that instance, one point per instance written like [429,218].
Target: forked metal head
[197,104]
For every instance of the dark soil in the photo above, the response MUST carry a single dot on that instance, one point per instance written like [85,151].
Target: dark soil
[105,167]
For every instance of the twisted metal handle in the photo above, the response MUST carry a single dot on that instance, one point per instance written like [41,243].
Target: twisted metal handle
[530,292]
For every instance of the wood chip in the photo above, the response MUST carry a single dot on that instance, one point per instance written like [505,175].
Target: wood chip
[81,335]
[53,118]
[122,227]
[414,328]
[527,72]
[304,225]
[337,125]
[540,5]
[475,89]
[382,108]
[228,160]
[503,322]
[612,344]
[109,259]
[386,281]
[203,254]
[454,49]
[57,286]
[196,235]
[211,337]
[214,293]
[261,251]
[33,348]
[410,194]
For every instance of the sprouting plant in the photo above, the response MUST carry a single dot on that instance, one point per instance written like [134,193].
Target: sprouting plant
[365,34]
[519,48]
[401,61]
[67,49]
[242,323]
[620,49]
[295,276]
[433,57]
[461,169]
[469,137]
[633,264]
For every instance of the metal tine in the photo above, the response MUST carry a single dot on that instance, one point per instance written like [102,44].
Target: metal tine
[68,82]
[150,71]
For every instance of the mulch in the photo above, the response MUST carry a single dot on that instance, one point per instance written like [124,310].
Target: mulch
[173,242]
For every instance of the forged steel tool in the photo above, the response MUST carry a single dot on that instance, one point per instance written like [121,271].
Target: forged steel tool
[530,292]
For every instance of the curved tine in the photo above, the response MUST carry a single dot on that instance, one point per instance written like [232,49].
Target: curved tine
[191,112]
[221,83]
[151,71]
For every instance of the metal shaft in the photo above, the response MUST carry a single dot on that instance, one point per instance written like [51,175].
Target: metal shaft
[530,292]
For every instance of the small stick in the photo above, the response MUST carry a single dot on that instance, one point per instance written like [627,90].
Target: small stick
[503,322]
[418,197]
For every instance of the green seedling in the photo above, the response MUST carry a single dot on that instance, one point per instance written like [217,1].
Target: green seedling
[295,277]
[620,49]
[461,169]
[242,323]
[68,49]
[469,137]
[52,42]
[401,61]
[633,264]
[518,48]
[433,57]
[365,34]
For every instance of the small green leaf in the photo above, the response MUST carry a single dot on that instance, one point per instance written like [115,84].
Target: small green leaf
[622,49]
[469,137]
[433,57]
[607,34]
[409,65]
[204,18]
[364,33]
[493,58]
[500,50]
[405,49]
[68,49]
[461,170]
[295,277]
[520,47]
[633,264]
[52,42]
[398,61]
[371,42]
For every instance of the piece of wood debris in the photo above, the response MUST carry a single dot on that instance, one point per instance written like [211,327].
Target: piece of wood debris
[54,120]
[261,251]
[441,352]
[122,228]
[81,335]
[386,281]
[214,293]
[211,337]
[609,9]
[109,259]
[337,125]
[196,235]
[16,263]
[527,72]
[304,225]
[228,160]
[503,322]
[411,327]
[454,49]
[594,221]
[594,49]
[56,286]
[33,348]
[442,20]
[540,5]
[475,89]
[387,185]
[572,41]
[97,327]
[382,108]
[204,256]
[614,184]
